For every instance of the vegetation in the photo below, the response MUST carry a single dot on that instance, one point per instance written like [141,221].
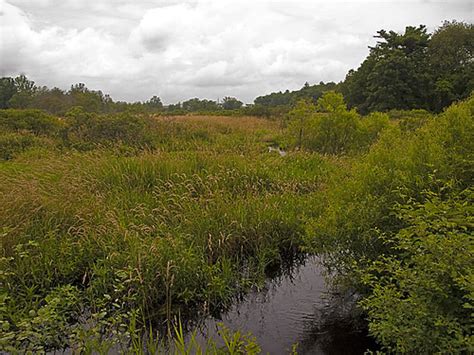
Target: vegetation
[115,218]
[414,70]
[398,229]
[109,220]
[123,217]
[334,129]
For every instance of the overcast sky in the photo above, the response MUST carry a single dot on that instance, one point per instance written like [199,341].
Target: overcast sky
[208,49]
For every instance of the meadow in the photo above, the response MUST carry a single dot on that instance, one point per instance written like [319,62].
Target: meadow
[115,223]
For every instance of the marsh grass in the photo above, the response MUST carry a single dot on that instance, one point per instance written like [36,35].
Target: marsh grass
[181,228]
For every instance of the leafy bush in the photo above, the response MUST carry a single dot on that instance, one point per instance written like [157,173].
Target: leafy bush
[14,143]
[359,205]
[408,252]
[86,130]
[34,121]
[336,130]
[421,293]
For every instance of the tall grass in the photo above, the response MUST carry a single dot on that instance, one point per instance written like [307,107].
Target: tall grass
[178,229]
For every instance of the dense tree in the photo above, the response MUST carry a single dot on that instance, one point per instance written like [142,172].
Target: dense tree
[414,70]
[7,90]
[154,103]
[231,103]
[25,89]
[290,98]
[394,75]
[53,101]
[451,51]
[195,104]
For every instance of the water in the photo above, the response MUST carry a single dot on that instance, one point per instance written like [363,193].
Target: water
[291,309]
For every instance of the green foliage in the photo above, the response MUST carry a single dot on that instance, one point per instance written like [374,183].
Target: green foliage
[337,131]
[86,130]
[392,76]
[231,103]
[194,105]
[13,143]
[408,252]
[154,103]
[34,121]
[287,99]
[421,295]
[47,327]
[414,70]
[7,90]
[450,51]
[331,102]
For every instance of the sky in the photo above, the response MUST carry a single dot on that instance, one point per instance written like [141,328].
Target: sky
[178,50]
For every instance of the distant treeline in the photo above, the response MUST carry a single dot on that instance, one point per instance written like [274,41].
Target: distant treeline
[413,70]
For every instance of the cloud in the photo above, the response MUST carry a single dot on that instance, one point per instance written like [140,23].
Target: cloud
[209,49]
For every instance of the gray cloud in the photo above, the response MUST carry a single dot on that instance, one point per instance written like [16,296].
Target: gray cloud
[209,49]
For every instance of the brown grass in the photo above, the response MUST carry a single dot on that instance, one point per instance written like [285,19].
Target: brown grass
[245,123]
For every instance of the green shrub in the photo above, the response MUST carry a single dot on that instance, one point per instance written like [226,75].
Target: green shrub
[85,130]
[407,252]
[14,143]
[336,130]
[34,121]
[421,294]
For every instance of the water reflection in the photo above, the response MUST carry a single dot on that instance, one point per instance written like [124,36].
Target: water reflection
[294,308]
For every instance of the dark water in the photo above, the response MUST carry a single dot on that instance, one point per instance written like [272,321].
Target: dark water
[294,308]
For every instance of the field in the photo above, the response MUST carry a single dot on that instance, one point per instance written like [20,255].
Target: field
[113,223]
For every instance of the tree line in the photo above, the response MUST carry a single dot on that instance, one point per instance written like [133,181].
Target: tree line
[403,71]
[23,93]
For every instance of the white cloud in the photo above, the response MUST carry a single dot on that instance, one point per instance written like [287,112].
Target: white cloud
[182,49]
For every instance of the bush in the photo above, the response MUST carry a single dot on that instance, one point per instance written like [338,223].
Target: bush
[34,121]
[336,130]
[407,252]
[13,143]
[85,130]
[422,295]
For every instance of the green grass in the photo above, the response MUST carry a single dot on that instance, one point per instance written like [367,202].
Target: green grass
[177,229]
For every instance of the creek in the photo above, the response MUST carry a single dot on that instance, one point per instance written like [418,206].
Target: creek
[295,308]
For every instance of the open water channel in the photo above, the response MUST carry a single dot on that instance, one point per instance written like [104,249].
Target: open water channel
[295,308]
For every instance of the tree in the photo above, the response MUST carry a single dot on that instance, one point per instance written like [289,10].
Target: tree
[23,84]
[7,90]
[195,104]
[54,100]
[290,98]
[331,101]
[450,52]
[231,103]
[91,101]
[25,89]
[154,103]
[394,75]
[299,118]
